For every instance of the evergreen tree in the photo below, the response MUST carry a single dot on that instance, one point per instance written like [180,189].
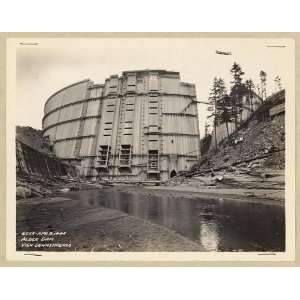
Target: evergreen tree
[225,109]
[250,89]
[217,93]
[206,129]
[236,93]
[278,86]
[212,108]
[263,83]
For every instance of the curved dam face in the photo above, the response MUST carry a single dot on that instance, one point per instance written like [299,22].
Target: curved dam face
[140,126]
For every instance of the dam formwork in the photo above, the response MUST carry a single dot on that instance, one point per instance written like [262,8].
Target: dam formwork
[140,126]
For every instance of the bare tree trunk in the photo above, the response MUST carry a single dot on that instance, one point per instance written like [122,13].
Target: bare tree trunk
[227,129]
[215,124]
[215,129]
[235,119]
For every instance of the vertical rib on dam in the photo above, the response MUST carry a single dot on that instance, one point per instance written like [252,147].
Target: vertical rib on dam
[140,126]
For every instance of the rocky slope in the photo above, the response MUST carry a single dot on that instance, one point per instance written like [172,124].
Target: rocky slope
[250,167]
[264,140]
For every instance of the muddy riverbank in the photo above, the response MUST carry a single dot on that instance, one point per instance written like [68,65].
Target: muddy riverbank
[124,218]
[89,228]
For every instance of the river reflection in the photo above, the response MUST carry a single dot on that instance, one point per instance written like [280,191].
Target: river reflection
[218,225]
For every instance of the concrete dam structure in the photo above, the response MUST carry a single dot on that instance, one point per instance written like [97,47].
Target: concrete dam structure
[140,126]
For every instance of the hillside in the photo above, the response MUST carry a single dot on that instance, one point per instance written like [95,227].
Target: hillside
[32,138]
[258,139]
[251,165]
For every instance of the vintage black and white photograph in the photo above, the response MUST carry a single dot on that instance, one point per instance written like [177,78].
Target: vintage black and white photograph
[153,145]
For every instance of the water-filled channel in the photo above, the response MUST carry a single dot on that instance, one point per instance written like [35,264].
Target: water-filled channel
[218,225]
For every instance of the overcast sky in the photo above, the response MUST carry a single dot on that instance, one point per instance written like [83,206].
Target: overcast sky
[55,63]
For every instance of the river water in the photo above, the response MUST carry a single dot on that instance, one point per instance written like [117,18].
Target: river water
[218,225]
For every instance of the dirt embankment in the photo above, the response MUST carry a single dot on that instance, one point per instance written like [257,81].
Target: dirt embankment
[93,229]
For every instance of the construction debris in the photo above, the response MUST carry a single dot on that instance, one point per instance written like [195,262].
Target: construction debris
[34,185]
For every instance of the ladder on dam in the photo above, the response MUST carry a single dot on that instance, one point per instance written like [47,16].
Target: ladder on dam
[125,150]
[125,155]
[153,161]
[103,157]
[120,126]
[80,129]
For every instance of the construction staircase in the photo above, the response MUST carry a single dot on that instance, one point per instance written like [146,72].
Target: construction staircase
[80,129]
[124,150]
[121,122]
[95,140]
[103,158]
[153,161]
[125,156]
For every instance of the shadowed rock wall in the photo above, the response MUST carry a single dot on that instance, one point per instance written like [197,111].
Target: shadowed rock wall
[31,161]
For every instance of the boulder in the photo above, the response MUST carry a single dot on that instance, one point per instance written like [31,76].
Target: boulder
[219,178]
[22,192]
